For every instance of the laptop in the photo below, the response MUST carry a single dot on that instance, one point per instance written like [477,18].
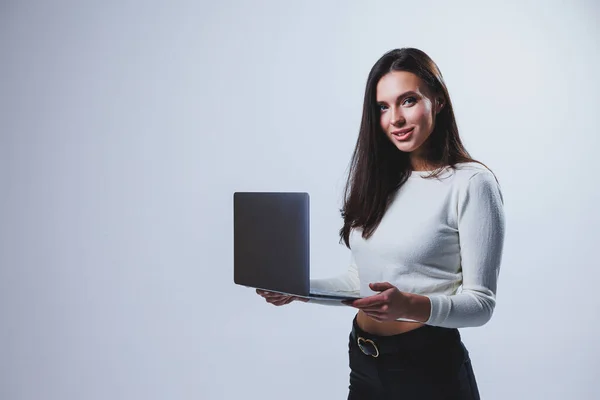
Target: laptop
[271,244]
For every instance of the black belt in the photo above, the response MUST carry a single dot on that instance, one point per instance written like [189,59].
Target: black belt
[423,337]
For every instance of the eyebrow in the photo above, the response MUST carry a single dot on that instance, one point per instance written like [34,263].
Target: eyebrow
[401,96]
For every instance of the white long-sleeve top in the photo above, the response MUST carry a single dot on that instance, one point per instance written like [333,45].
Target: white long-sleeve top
[438,235]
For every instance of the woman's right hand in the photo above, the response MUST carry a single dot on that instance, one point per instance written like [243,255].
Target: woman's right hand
[279,299]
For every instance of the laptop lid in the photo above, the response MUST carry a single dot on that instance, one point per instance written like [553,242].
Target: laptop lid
[271,241]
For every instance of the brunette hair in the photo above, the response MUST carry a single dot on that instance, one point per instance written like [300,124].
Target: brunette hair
[377,168]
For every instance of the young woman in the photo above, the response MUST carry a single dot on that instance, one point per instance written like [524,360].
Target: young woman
[422,219]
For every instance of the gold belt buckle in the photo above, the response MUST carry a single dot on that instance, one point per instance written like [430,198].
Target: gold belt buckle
[362,347]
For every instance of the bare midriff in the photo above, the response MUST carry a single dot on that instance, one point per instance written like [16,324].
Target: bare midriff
[384,328]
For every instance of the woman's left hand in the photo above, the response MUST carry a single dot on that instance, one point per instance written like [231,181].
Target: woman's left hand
[388,305]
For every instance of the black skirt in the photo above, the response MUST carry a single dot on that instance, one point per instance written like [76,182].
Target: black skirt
[427,363]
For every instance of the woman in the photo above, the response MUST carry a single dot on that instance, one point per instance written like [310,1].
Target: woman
[422,218]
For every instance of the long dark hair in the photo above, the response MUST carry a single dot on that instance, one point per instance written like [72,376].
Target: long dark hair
[377,168]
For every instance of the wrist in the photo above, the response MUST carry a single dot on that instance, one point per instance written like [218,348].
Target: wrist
[419,307]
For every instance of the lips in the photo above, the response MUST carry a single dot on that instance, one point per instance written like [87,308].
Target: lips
[402,131]
[403,134]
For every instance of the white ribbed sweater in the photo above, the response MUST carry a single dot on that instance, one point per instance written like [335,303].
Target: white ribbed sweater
[437,236]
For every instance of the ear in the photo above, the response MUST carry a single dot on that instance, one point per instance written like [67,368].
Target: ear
[439,104]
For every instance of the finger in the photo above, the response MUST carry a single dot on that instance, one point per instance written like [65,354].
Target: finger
[266,294]
[383,308]
[275,296]
[379,314]
[285,300]
[370,306]
[282,302]
[275,299]
[380,286]
[281,299]
[371,300]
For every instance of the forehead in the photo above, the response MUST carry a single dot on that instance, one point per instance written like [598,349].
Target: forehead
[397,82]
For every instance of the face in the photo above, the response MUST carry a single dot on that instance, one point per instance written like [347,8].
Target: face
[407,111]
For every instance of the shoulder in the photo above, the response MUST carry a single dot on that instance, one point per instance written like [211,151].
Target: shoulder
[467,170]
[475,178]
[470,173]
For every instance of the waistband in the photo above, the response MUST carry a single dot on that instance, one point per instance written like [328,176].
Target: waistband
[426,337]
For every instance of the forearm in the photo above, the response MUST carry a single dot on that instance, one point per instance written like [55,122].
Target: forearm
[345,284]
[467,309]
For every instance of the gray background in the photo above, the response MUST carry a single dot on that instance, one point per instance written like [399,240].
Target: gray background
[126,126]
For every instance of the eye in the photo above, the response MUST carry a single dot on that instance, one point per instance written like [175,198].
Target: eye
[382,107]
[412,99]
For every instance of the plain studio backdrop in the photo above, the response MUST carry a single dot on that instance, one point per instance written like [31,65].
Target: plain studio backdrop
[125,128]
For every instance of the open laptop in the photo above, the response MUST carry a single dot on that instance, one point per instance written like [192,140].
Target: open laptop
[271,244]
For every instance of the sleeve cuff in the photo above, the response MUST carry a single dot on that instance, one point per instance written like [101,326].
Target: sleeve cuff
[440,309]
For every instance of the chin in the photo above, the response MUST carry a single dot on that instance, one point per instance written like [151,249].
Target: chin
[406,147]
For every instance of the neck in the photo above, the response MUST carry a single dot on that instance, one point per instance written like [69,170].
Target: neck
[422,165]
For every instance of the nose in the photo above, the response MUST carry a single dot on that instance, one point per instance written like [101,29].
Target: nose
[397,117]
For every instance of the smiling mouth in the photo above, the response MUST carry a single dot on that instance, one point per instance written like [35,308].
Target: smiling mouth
[402,134]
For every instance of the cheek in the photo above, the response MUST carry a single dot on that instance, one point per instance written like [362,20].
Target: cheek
[420,115]
[385,121]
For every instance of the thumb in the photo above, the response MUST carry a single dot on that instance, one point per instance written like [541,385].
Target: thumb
[380,286]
